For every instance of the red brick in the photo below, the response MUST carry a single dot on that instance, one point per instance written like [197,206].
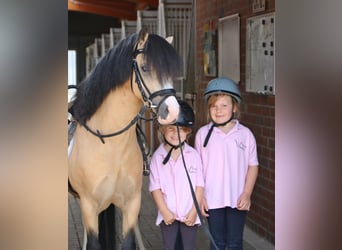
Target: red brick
[257,111]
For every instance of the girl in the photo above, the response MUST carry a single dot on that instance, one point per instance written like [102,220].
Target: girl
[169,184]
[230,164]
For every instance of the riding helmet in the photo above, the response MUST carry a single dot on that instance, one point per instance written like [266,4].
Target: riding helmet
[222,85]
[186,116]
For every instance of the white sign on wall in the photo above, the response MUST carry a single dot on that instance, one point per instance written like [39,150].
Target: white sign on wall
[260,53]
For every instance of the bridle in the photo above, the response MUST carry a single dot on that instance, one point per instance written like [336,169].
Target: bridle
[147,99]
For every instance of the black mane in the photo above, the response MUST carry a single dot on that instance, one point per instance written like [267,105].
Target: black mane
[115,68]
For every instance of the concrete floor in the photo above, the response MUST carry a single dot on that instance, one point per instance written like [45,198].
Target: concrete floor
[150,232]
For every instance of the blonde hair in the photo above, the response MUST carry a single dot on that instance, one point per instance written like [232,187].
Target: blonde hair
[161,131]
[213,98]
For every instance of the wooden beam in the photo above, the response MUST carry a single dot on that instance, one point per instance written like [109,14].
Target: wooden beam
[120,10]
[152,3]
[122,4]
[147,4]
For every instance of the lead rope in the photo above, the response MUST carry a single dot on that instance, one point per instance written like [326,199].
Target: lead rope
[205,227]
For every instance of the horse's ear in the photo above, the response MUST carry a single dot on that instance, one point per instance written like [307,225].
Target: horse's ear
[169,39]
[142,38]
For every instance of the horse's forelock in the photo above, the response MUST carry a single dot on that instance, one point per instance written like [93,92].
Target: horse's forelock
[162,57]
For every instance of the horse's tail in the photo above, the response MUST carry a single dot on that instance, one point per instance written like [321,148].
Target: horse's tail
[72,191]
[138,237]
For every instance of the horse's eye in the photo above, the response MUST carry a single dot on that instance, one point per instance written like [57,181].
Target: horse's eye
[144,68]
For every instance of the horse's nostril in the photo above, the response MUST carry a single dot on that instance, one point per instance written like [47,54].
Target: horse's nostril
[163,111]
[168,111]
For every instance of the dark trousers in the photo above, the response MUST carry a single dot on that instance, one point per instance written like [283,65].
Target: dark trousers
[226,226]
[178,234]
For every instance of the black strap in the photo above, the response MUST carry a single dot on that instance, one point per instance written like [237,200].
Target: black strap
[212,128]
[143,146]
[205,227]
[167,158]
[102,136]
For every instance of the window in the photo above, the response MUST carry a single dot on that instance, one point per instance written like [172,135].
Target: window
[71,67]
[229,47]
[71,72]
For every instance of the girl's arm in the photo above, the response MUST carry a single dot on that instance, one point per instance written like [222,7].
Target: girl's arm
[168,216]
[244,201]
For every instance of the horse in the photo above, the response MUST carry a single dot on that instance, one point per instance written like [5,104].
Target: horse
[104,157]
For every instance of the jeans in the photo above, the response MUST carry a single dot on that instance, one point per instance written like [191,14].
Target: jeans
[226,226]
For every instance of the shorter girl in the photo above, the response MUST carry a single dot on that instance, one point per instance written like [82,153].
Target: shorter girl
[169,184]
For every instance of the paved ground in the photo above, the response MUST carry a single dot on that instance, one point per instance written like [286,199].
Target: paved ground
[150,232]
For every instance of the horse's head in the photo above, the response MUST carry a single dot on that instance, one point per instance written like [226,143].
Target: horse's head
[156,65]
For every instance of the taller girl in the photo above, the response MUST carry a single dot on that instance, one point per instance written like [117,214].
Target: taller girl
[230,164]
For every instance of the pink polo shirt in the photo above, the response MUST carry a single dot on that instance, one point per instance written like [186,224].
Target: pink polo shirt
[225,162]
[172,180]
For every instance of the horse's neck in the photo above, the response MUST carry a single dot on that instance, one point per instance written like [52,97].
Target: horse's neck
[117,110]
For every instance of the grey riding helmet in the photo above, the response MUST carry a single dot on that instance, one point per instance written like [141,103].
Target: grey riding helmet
[186,116]
[222,85]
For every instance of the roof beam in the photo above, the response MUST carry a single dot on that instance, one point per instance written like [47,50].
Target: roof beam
[147,4]
[121,10]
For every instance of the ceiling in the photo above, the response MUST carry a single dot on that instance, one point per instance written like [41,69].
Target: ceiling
[94,17]
[120,9]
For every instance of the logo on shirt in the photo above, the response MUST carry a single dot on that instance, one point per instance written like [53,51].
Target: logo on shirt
[192,170]
[240,145]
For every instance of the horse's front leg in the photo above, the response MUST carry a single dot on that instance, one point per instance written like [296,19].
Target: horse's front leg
[90,223]
[130,222]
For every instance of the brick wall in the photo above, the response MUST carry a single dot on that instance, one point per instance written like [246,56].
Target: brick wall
[257,111]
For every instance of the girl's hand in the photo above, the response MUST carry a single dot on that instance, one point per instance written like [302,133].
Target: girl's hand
[204,208]
[244,202]
[191,218]
[168,217]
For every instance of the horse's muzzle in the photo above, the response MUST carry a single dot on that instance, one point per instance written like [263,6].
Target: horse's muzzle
[168,111]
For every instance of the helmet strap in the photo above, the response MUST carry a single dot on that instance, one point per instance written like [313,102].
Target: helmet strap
[216,125]
[167,158]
